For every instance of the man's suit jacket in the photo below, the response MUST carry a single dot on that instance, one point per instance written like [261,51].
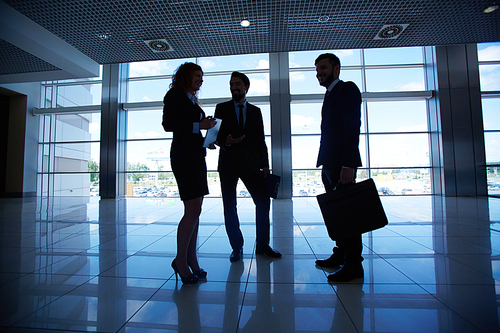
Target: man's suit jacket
[179,114]
[340,127]
[251,153]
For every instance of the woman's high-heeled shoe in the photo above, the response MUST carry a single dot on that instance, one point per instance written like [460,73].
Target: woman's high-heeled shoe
[201,274]
[192,279]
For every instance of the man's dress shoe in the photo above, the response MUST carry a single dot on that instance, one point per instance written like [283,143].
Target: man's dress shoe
[348,272]
[236,255]
[334,261]
[268,251]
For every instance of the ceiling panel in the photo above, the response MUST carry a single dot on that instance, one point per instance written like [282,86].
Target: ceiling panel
[115,31]
[21,61]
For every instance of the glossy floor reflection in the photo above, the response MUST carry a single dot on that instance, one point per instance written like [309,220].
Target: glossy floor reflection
[83,264]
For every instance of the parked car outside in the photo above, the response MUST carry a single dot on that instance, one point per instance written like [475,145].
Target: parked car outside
[385,191]
[405,190]
[244,194]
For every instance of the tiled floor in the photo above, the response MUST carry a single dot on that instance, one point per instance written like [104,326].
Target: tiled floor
[80,264]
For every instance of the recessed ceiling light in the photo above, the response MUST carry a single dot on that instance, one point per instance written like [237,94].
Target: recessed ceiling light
[323,19]
[245,23]
[491,7]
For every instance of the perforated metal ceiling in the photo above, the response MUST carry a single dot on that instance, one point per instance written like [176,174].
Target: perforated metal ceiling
[17,61]
[114,31]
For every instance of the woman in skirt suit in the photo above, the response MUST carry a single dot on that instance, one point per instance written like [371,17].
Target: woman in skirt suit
[183,116]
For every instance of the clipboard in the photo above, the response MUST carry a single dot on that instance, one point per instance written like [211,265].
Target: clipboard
[212,133]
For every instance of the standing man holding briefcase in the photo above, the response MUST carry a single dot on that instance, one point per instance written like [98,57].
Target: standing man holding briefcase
[339,155]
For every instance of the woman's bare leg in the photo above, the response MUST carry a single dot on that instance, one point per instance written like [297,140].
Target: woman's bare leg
[188,226]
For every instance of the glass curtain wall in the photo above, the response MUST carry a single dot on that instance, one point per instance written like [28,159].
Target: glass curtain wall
[69,136]
[394,135]
[394,141]
[489,69]
[149,173]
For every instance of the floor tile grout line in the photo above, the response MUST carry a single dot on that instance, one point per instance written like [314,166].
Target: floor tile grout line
[144,304]
[57,298]
[433,254]
[420,286]
[244,293]
[208,237]
[307,241]
[324,272]
[326,275]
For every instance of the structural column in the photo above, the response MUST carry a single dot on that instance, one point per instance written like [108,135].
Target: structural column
[459,112]
[281,142]
[113,131]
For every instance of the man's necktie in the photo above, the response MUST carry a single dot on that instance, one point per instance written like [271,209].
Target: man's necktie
[326,94]
[241,120]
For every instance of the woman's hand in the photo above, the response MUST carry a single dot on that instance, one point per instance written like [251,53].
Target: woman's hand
[208,123]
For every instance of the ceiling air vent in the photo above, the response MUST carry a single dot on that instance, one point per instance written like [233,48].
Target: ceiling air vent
[391,31]
[158,45]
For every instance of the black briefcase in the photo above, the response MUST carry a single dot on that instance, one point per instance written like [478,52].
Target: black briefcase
[273,185]
[352,209]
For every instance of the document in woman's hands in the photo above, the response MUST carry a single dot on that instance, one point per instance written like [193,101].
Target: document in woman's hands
[212,133]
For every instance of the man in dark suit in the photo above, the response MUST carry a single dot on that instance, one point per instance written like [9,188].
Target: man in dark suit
[339,155]
[243,155]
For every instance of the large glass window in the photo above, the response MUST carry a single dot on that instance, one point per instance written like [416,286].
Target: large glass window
[394,79]
[68,155]
[69,143]
[71,93]
[302,76]
[393,56]
[394,141]
[489,69]
[149,173]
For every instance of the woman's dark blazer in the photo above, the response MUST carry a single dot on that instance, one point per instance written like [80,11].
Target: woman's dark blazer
[340,127]
[179,114]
